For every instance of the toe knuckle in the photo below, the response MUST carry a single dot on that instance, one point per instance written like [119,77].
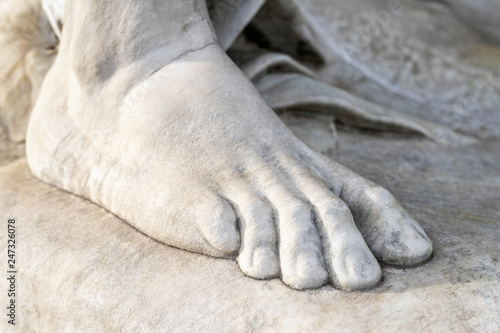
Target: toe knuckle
[379,195]
[299,208]
[259,208]
[336,206]
[360,182]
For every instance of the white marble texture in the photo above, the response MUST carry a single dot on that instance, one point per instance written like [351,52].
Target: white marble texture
[83,269]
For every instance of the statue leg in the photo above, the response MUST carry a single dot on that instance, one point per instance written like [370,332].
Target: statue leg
[144,114]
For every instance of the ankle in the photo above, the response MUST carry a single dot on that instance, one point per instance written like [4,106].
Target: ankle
[105,38]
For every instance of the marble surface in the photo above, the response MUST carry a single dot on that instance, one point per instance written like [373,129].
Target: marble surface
[81,269]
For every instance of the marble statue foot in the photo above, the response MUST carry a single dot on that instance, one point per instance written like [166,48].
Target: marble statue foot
[166,132]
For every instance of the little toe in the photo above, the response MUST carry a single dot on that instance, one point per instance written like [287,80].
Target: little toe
[392,234]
